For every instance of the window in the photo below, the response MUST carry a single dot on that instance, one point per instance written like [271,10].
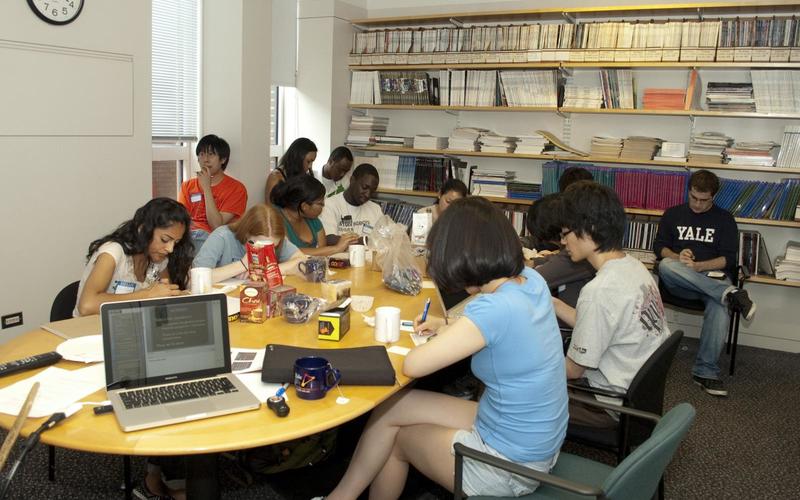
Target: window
[282,121]
[175,91]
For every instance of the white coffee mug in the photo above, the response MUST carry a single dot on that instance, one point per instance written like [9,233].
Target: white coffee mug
[200,280]
[387,324]
[357,255]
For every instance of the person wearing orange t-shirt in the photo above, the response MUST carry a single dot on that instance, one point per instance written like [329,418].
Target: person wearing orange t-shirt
[212,198]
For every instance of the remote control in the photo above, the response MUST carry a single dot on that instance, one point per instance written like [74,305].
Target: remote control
[29,363]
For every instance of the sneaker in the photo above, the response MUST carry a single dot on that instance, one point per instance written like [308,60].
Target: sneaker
[740,300]
[710,385]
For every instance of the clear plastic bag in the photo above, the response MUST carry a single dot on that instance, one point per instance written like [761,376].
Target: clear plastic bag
[400,270]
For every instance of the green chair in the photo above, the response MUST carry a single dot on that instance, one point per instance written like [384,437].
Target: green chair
[574,477]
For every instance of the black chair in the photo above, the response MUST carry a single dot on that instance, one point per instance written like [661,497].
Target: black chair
[645,393]
[699,306]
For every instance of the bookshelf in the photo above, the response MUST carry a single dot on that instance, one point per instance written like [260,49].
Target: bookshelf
[670,65]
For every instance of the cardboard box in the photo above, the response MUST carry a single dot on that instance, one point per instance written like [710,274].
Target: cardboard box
[274,296]
[336,291]
[253,302]
[334,323]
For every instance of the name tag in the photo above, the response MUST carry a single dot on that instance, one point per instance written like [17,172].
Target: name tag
[561,288]
[122,287]
[366,229]
[196,197]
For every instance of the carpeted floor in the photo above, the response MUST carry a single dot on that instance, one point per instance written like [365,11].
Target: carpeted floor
[745,446]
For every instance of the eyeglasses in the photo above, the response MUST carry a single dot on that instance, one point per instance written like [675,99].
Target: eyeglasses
[564,234]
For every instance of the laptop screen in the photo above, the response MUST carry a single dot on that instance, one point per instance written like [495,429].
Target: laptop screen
[148,342]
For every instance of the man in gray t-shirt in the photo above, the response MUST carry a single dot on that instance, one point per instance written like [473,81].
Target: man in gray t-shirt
[619,319]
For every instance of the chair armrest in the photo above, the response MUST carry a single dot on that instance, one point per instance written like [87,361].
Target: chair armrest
[463,451]
[596,390]
[646,415]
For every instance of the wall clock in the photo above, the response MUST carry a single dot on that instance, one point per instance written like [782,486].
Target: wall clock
[56,11]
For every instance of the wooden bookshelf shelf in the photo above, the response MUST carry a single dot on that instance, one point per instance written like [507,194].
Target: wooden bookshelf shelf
[631,211]
[769,280]
[567,64]
[573,158]
[585,111]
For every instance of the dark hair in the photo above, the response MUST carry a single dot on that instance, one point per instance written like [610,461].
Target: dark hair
[365,169]
[454,185]
[704,182]
[545,221]
[595,210]
[136,234]
[340,153]
[459,258]
[217,145]
[296,191]
[292,159]
[572,175]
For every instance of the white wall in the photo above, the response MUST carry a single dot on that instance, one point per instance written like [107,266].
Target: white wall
[773,326]
[58,193]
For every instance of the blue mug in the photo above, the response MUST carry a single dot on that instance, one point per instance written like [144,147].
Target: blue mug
[314,377]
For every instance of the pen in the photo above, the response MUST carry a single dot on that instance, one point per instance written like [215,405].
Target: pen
[425,310]
[282,389]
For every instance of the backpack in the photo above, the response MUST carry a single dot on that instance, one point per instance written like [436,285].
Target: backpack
[301,452]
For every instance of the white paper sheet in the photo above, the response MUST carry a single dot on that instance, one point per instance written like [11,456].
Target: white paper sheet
[58,389]
[246,360]
[260,389]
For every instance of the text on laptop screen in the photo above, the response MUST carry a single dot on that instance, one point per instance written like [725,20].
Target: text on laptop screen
[165,337]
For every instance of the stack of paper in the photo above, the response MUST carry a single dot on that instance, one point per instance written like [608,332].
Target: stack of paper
[751,153]
[606,146]
[364,130]
[708,147]
[788,266]
[639,148]
[425,141]
[495,143]
[672,151]
[531,144]
[465,138]
[486,182]
[726,96]
[664,99]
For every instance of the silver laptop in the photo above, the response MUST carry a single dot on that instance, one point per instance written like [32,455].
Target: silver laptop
[453,303]
[169,361]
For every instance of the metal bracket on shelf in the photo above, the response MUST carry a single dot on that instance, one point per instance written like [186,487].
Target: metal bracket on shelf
[453,112]
[562,114]
[358,27]
[565,72]
[699,13]
[359,111]
[566,128]
[456,22]
[569,17]
[692,124]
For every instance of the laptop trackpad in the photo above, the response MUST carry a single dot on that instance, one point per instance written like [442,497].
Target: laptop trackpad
[189,408]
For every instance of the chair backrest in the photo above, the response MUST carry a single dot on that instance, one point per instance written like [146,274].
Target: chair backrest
[646,391]
[64,302]
[638,475]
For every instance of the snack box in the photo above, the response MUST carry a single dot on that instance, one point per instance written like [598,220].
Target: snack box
[274,296]
[253,302]
[263,264]
[334,323]
[335,291]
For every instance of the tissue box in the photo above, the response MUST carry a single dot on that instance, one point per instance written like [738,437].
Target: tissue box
[334,323]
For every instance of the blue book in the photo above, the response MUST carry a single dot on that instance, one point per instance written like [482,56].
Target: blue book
[755,196]
[762,208]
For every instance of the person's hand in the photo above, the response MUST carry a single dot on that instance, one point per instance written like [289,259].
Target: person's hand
[164,289]
[430,326]
[686,257]
[345,241]
[204,179]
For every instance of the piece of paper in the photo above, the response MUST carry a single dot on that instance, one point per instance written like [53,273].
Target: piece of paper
[230,281]
[246,360]
[419,339]
[428,284]
[58,389]
[260,390]
[396,349]
[87,349]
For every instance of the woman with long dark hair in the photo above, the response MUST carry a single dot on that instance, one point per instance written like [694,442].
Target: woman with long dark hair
[145,257]
[297,160]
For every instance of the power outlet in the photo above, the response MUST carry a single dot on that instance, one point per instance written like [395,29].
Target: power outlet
[11,320]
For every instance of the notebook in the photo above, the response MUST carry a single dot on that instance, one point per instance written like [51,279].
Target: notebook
[74,327]
[453,303]
[168,360]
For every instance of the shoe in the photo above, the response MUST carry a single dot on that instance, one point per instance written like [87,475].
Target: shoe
[740,300]
[710,385]
[143,493]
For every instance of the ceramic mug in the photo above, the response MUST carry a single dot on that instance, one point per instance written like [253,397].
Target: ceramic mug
[387,324]
[200,280]
[357,255]
[314,377]
[314,269]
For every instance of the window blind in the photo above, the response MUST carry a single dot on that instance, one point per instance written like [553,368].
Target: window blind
[175,71]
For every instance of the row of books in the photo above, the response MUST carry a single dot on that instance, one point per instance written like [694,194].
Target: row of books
[753,254]
[417,173]
[776,91]
[636,188]
[758,199]
[789,155]
[488,182]
[498,88]
[399,211]
[732,39]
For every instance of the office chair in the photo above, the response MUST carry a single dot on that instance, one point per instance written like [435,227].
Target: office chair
[699,306]
[636,477]
[645,393]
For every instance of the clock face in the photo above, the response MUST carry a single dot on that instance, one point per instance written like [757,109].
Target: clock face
[57,11]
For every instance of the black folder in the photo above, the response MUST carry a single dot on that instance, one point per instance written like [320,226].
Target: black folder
[359,365]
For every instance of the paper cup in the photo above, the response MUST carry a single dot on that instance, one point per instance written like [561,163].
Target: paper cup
[200,280]
[357,255]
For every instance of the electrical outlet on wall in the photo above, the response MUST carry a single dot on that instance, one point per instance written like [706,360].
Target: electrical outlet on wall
[11,320]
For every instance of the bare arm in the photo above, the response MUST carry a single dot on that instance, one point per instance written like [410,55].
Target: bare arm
[574,370]
[565,313]
[289,267]
[452,343]
[323,248]
[273,179]
[687,257]
[94,289]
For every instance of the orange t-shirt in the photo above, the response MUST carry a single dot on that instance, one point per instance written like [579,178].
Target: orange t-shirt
[230,196]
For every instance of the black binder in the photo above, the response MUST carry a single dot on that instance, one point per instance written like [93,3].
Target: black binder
[359,365]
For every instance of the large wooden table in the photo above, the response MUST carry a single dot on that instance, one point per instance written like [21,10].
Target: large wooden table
[100,434]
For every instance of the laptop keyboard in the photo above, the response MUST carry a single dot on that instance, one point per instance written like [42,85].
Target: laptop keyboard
[184,391]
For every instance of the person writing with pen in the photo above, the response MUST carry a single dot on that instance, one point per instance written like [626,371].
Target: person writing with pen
[511,334]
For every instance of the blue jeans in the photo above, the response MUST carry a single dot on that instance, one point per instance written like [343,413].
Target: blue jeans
[683,282]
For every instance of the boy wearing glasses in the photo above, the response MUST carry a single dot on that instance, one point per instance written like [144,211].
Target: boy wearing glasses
[619,319]
[212,198]
[693,239]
